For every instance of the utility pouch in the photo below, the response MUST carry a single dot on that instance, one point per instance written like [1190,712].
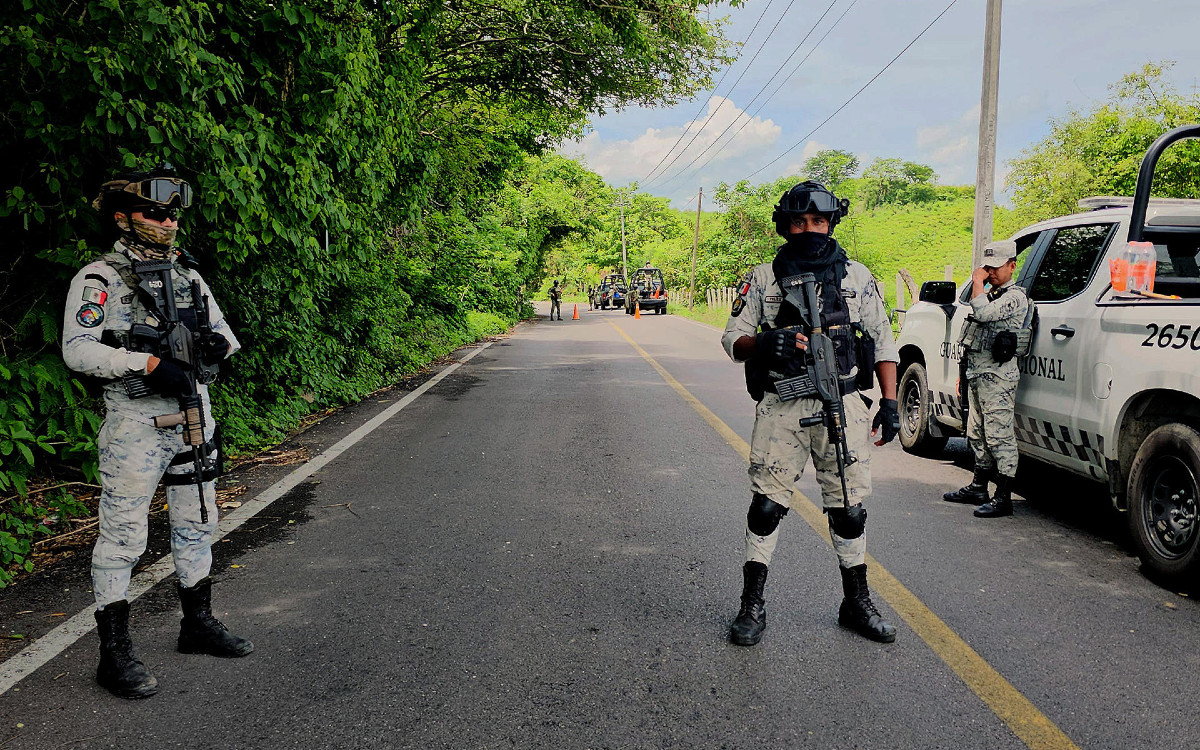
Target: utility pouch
[756,379]
[1004,346]
[864,350]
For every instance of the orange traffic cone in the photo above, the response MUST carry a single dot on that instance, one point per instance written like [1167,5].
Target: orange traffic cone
[575,315]
[637,311]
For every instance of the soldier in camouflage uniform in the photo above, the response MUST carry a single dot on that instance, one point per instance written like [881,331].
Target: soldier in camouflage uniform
[989,343]
[556,300]
[765,331]
[140,210]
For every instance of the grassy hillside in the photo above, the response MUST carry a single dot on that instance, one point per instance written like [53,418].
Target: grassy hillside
[923,238]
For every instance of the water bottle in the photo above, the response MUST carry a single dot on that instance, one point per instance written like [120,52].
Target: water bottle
[1143,263]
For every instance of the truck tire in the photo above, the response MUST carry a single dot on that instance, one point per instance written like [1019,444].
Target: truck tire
[915,413]
[1164,492]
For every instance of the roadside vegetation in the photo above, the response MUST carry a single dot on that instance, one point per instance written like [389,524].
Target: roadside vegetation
[378,186]
[370,192]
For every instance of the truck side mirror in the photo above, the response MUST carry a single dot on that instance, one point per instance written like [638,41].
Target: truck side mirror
[938,292]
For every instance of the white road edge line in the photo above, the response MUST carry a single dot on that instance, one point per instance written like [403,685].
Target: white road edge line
[32,657]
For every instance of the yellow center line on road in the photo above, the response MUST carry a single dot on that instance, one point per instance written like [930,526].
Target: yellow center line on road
[1029,724]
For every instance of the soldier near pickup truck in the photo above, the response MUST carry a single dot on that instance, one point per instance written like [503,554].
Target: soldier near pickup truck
[989,341]
[771,334]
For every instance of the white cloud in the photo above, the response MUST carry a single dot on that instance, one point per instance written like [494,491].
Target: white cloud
[811,149]
[950,147]
[622,161]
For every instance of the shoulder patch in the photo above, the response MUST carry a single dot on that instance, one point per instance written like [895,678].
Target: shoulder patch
[739,304]
[95,277]
[90,315]
[745,287]
[94,294]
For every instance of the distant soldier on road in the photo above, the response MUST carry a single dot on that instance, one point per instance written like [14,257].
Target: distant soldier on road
[989,340]
[555,300]
[115,325]
[766,332]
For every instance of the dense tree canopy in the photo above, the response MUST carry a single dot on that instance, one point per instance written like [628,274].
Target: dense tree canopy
[1098,152]
[362,170]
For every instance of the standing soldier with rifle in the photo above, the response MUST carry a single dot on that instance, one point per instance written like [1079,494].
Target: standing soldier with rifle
[142,320]
[812,330]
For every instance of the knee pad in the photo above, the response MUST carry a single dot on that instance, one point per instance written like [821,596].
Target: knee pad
[848,523]
[764,515]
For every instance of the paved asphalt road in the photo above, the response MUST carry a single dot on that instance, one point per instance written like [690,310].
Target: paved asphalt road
[544,551]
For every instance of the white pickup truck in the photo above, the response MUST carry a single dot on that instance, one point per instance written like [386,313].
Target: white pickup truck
[1111,387]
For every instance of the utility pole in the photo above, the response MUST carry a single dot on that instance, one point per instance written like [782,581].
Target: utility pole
[624,254]
[695,243]
[985,172]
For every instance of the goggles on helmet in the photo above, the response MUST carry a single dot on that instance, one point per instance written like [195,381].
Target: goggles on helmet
[163,191]
[802,199]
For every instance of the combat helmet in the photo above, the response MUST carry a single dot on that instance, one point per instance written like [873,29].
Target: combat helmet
[808,197]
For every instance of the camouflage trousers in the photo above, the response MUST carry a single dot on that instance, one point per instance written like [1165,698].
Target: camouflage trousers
[555,307]
[133,458]
[779,451]
[991,402]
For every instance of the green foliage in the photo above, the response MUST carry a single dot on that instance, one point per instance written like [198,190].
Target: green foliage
[898,182]
[1098,152]
[366,197]
[831,167]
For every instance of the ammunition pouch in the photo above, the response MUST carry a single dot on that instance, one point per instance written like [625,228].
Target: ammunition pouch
[972,334]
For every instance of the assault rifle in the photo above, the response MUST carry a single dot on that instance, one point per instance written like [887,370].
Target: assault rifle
[822,380]
[177,342]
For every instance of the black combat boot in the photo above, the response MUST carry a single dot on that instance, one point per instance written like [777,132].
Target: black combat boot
[1001,503]
[974,493]
[199,631]
[751,619]
[121,672]
[858,611]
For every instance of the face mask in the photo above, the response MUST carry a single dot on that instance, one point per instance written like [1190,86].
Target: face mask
[150,241]
[807,244]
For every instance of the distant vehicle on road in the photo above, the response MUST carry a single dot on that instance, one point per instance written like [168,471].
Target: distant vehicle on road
[611,292]
[647,290]
[1110,389]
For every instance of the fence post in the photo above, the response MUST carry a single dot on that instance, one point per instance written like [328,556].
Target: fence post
[949,273]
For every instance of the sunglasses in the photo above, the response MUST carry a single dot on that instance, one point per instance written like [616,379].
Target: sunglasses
[160,213]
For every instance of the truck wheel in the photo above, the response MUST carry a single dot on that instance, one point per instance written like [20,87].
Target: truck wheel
[915,413]
[1164,490]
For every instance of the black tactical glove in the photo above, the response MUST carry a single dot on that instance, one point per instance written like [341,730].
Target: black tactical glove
[169,379]
[888,417]
[778,344]
[213,347]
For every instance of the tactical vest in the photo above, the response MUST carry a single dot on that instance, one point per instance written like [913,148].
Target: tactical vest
[853,346]
[143,309]
[980,337]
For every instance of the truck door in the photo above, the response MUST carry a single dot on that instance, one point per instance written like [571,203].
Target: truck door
[1056,376]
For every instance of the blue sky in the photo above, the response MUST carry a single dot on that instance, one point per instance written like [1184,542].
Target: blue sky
[1056,55]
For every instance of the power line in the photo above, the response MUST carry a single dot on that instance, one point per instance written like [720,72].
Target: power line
[750,117]
[714,90]
[856,93]
[731,88]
